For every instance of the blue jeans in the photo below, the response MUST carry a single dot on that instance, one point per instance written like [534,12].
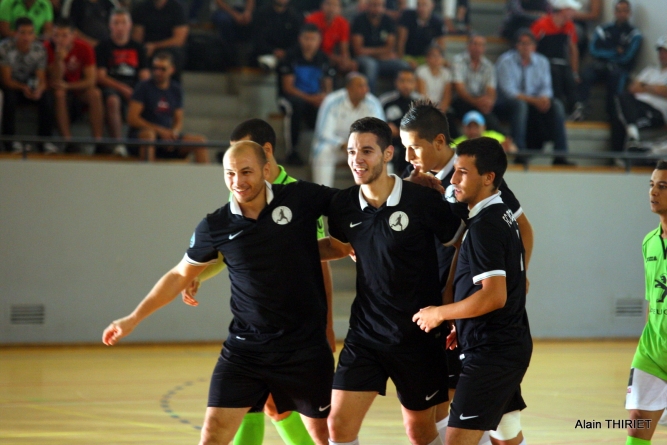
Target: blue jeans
[544,126]
[373,68]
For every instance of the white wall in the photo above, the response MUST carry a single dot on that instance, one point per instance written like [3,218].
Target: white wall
[89,240]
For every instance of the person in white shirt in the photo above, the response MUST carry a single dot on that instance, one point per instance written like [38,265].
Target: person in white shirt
[434,80]
[644,105]
[337,112]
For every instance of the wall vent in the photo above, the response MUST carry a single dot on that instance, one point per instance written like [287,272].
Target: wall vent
[629,307]
[27,314]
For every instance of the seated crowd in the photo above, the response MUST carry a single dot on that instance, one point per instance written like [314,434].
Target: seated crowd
[122,66]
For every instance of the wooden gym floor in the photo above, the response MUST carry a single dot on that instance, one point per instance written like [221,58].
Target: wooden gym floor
[157,394]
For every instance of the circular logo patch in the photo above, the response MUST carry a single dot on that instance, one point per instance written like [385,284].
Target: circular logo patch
[449,194]
[281,215]
[192,240]
[399,221]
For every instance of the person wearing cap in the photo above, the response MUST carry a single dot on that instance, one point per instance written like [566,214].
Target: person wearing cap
[643,105]
[525,95]
[474,126]
[614,47]
[557,40]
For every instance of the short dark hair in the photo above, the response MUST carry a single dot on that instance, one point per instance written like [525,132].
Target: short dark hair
[63,22]
[403,70]
[427,120]
[375,126]
[489,156]
[661,165]
[309,27]
[120,11]
[164,55]
[521,32]
[23,21]
[257,130]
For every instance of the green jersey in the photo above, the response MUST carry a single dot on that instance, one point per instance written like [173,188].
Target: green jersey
[651,355]
[487,134]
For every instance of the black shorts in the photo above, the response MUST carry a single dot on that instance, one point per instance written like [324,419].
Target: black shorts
[420,377]
[298,380]
[484,394]
[453,366]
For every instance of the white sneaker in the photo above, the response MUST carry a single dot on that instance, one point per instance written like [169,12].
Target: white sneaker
[120,150]
[50,148]
[17,147]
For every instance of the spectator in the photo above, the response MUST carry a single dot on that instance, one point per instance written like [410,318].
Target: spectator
[525,96]
[644,105]
[305,78]
[162,25]
[457,16]
[590,12]
[521,14]
[91,19]
[474,126]
[156,113]
[417,30]
[337,112]
[615,47]
[72,74]
[233,19]
[557,41]
[434,80]
[395,104]
[39,11]
[121,63]
[335,31]
[23,74]
[474,83]
[276,30]
[373,42]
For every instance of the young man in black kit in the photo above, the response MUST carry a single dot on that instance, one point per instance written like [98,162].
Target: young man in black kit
[391,225]
[489,302]
[277,342]
[424,131]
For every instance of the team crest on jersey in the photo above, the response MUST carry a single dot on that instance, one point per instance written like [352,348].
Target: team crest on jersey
[399,221]
[281,215]
[449,194]
[192,241]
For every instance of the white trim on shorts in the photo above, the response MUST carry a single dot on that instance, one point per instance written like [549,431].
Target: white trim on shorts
[647,392]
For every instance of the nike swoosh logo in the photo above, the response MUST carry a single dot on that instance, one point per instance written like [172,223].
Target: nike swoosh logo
[462,417]
[235,235]
[324,408]
[432,395]
[355,224]
[240,338]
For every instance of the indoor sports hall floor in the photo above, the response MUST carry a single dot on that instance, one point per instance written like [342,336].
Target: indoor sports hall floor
[132,394]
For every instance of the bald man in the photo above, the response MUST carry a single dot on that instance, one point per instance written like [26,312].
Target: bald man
[277,341]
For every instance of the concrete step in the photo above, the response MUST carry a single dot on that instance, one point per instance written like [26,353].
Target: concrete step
[211,105]
[486,17]
[206,83]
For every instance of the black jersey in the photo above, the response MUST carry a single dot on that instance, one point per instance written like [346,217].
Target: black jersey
[397,269]
[492,247]
[277,291]
[446,254]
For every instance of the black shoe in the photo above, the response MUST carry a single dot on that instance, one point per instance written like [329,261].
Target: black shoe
[294,159]
[562,161]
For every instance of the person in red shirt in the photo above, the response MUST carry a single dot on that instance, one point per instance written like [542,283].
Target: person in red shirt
[335,31]
[557,40]
[72,72]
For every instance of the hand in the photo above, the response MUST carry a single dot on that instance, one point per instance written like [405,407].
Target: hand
[60,85]
[167,134]
[27,91]
[316,99]
[150,49]
[428,318]
[126,92]
[427,180]
[279,53]
[485,104]
[60,53]
[117,330]
[543,104]
[452,340]
[353,255]
[190,292]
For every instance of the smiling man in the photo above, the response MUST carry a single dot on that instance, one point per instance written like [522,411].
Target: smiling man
[391,225]
[277,342]
[489,303]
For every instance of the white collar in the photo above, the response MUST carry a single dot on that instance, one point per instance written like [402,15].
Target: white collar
[491,200]
[236,208]
[447,168]
[394,197]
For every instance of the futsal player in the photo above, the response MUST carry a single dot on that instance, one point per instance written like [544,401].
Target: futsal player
[489,302]
[646,398]
[289,424]
[424,132]
[277,342]
[391,225]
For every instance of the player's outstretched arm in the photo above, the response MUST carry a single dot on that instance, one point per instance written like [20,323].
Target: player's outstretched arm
[190,292]
[332,249]
[164,291]
[425,179]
